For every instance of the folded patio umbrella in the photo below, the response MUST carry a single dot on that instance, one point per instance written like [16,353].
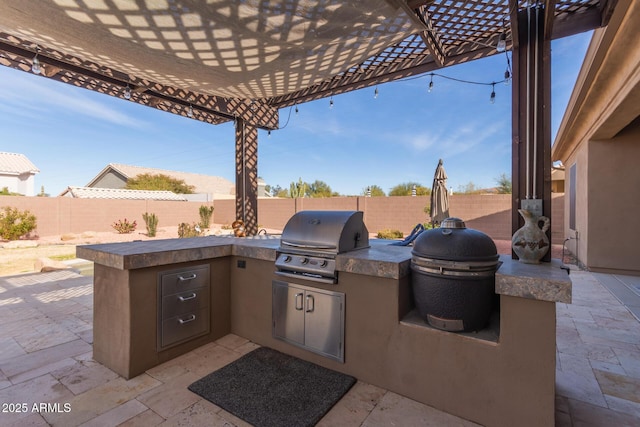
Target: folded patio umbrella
[439,196]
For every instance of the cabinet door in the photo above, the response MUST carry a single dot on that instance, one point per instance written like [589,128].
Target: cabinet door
[288,312]
[324,323]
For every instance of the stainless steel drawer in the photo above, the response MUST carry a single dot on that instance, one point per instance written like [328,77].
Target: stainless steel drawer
[184,280]
[185,302]
[184,327]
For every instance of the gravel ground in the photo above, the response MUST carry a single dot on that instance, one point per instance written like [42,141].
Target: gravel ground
[21,256]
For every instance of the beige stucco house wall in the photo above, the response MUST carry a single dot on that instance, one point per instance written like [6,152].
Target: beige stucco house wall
[599,145]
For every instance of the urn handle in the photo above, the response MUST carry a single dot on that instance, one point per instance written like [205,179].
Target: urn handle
[546,224]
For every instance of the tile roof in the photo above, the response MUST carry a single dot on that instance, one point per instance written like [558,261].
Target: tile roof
[114,193]
[16,164]
[201,183]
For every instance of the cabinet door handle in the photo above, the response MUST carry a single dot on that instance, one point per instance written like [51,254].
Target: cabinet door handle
[184,279]
[187,320]
[298,297]
[311,303]
[183,299]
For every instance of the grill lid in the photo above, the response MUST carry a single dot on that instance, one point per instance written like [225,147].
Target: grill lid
[331,232]
[453,242]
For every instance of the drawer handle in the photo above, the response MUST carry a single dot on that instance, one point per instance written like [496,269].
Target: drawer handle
[183,299]
[184,279]
[188,319]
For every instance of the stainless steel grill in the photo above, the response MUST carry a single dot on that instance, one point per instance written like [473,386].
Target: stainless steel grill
[311,240]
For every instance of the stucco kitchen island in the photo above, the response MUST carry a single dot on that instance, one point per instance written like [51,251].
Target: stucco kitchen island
[504,375]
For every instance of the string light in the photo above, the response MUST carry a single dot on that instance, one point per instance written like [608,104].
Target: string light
[297,111]
[331,103]
[493,93]
[431,84]
[35,66]
[190,112]
[375,94]
[502,43]
[507,73]
[127,92]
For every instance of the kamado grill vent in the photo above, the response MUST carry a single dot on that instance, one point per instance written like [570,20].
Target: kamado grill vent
[311,240]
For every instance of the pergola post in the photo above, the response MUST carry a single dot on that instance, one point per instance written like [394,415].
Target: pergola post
[531,120]
[247,175]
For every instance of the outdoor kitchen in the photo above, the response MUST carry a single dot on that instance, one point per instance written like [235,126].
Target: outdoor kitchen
[326,293]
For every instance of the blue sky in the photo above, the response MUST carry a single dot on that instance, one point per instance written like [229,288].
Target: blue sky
[71,134]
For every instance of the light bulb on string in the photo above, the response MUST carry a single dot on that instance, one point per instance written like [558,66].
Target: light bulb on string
[35,65]
[190,112]
[127,92]
[502,43]
[375,94]
[297,111]
[492,99]
[507,73]
[331,103]
[431,84]
[269,134]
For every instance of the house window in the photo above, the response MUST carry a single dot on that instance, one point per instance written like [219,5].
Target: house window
[572,197]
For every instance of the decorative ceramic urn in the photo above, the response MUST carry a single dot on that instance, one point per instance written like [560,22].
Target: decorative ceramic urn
[530,242]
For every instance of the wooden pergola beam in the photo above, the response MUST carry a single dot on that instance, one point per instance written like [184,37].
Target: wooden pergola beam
[430,37]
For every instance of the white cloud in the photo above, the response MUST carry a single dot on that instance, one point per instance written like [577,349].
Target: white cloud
[35,96]
[453,140]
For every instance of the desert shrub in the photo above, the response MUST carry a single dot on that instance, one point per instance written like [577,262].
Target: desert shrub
[15,224]
[124,226]
[188,230]
[151,221]
[390,234]
[205,216]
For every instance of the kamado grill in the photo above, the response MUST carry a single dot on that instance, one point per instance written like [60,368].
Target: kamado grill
[311,240]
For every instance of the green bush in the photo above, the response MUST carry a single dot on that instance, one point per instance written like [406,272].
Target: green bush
[151,221]
[124,226]
[390,234]
[188,230]
[15,224]
[205,216]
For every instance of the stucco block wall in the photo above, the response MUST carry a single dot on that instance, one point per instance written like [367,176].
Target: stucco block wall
[490,214]
[487,213]
[60,215]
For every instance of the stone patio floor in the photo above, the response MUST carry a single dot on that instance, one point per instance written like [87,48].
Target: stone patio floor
[46,357]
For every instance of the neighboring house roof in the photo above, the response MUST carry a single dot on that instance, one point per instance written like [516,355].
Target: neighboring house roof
[114,193]
[16,164]
[201,183]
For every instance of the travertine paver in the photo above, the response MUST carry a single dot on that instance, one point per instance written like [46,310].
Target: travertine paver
[46,357]
[598,369]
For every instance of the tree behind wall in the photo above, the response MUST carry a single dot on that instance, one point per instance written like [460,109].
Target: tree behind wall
[159,182]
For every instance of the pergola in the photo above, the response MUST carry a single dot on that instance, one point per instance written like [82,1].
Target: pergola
[218,61]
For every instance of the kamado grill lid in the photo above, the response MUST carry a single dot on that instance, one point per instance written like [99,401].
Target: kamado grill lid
[453,241]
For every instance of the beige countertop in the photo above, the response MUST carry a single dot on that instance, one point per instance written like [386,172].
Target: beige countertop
[545,282]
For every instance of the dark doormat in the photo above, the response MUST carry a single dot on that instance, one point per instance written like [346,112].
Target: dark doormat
[269,388]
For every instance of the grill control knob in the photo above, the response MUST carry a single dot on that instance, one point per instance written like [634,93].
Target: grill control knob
[323,263]
[304,260]
[287,258]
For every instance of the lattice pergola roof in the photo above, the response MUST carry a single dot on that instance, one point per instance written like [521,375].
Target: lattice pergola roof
[217,60]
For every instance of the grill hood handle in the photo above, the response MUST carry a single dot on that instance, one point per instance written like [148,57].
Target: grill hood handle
[307,246]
